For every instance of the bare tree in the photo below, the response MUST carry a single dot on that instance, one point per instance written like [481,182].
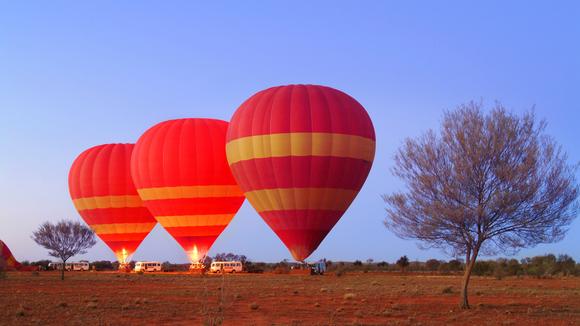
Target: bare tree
[64,239]
[403,263]
[488,183]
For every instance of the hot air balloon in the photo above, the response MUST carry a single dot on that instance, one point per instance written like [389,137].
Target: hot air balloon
[300,153]
[7,260]
[180,170]
[103,193]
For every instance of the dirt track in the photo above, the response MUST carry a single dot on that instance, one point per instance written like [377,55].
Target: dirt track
[361,299]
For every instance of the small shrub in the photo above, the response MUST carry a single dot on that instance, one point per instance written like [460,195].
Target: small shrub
[254,306]
[447,290]
[340,272]
[20,311]
[349,296]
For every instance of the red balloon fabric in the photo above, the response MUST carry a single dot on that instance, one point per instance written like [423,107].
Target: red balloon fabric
[182,175]
[7,260]
[301,153]
[103,192]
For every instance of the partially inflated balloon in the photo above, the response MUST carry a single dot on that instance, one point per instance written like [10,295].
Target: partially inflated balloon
[181,172]
[7,260]
[103,192]
[301,153]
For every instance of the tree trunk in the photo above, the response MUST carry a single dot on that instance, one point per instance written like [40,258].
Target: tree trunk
[62,271]
[469,263]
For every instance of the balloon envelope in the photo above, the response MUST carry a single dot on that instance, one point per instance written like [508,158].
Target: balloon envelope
[181,172]
[7,260]
[300,153]
[103,192]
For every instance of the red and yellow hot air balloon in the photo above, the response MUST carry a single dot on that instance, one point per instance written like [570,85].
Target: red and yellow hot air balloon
[180,170]
[301,153]
[103,192]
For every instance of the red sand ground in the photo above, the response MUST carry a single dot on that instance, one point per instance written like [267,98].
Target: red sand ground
[89,298]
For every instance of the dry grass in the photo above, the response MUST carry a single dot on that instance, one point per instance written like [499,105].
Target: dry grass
[355,298]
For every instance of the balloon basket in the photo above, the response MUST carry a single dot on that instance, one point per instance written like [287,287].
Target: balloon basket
[302,268]
[197,268]
[124,268]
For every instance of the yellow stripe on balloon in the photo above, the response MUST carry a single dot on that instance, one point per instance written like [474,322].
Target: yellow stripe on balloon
[190,192]
[107,202]
[301,198]
[115,228]
[300,144]
[194,220]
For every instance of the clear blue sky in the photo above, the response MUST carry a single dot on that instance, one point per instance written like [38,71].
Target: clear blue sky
[77,74]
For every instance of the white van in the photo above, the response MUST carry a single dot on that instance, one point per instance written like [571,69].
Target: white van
[82,266]
[226,267]
[148,266]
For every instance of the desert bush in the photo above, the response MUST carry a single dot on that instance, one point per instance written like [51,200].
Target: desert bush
[447,290]
[443,269]
[102,265]
[230,257]
[340,272]
[357,263]
[403,263]
[282,268]
[432,265]
[513,267]
[565,265]
[42,264]
[499,270]
[483,268]
[455,265]
[540,266]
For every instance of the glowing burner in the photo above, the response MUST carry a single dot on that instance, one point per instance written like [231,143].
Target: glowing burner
[194,255]
[196,265]
[122,257]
